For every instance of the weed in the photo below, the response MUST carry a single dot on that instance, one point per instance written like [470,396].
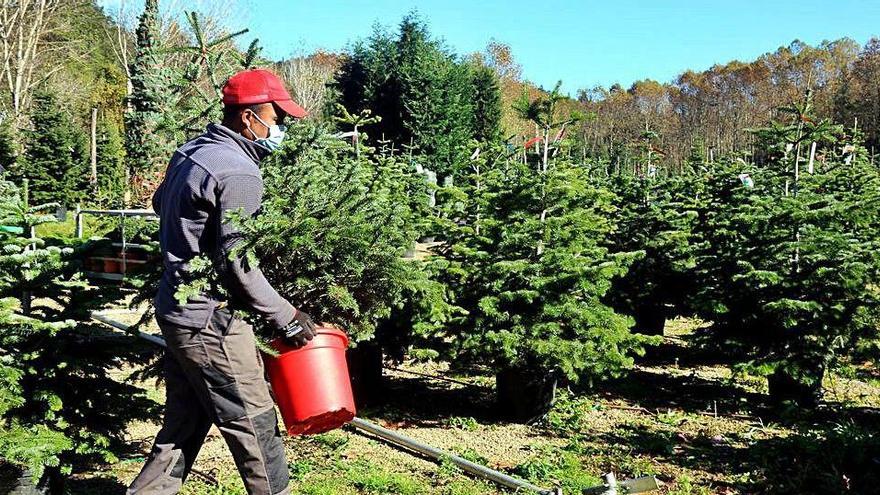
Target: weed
[684,486]
[196,486]
[560,466]
[333,440]
[368,478]
[672,418]
[463,423]
[473,456]
[568,415]
[300,468]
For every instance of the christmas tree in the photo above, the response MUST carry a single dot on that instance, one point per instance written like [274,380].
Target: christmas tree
[336,220]
[656,215]
[147,149]
[59,406]
[790,270]
[54,158]
[527,259]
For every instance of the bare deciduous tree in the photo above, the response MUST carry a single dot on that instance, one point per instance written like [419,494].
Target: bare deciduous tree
[24,25]
[307,78]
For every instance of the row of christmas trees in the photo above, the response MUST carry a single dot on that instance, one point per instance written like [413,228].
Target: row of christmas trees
[542,267]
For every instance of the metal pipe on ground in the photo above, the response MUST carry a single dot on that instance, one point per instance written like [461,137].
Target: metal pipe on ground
[439,455]
[635,485]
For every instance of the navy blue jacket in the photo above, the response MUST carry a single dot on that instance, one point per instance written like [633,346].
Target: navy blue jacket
[208,176]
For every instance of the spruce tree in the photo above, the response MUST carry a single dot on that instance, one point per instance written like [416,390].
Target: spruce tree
[486,105]
[147,149]
[423,94]
[54,158]
[110,165]
[8,148]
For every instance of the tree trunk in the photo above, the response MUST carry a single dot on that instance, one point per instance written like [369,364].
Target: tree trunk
[365,369]
[93,151]
[15,480]
[650,320]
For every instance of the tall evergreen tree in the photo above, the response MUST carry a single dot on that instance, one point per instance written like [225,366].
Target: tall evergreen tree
[147,149]
[8,148]
[486,104]
[110,165]
[54,158]
[421,91]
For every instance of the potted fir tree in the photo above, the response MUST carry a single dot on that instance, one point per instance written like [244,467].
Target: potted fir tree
[335,223]
[526,259]
[790,273]
[48,423]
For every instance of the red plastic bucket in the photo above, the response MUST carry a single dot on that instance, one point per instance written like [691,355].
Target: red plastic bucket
[311,384]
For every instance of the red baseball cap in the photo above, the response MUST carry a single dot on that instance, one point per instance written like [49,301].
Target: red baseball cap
[254,86]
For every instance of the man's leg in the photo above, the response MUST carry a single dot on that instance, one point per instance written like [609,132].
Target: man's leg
[178,442]
[230,376]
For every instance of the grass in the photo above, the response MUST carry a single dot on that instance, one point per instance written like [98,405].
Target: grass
[92,227]
[679,415]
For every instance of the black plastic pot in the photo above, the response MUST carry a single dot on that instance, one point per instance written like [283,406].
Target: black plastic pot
[650,320]
[18,481]
[524,396]
[365,369]
[783,387]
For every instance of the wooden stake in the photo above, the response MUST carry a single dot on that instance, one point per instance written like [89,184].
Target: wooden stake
[93,180]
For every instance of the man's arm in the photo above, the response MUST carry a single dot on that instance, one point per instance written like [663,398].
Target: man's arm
[248,286]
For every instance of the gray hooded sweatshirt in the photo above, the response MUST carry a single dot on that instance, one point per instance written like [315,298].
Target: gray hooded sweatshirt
[208,176]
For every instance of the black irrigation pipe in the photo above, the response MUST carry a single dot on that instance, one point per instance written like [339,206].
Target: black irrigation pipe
[438,377]
[611,486]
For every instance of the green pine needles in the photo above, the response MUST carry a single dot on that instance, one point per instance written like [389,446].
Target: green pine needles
[59,407]
[526,258]
[336,221]
[789,273]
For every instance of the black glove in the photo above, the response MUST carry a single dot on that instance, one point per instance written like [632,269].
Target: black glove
[300,331]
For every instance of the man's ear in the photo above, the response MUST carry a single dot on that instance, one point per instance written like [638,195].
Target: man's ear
[245,123]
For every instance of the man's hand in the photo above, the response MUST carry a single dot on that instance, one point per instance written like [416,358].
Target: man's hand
[300,331]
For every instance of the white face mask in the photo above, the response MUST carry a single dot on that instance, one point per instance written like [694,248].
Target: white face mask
[275,137]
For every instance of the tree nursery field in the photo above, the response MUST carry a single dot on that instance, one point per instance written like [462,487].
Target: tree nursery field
[678,280]
[680,416]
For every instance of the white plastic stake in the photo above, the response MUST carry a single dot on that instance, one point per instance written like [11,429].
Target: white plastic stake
[812,157]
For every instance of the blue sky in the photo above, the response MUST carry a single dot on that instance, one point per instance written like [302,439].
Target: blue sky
[583,43]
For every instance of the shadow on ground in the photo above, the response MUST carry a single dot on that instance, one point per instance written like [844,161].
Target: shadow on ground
[425,402]
[820,459]
[103,485]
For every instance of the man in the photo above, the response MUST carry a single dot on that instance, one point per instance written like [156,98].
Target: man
[213,371]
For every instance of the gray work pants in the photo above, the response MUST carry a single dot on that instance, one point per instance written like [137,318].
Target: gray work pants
[215,376]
